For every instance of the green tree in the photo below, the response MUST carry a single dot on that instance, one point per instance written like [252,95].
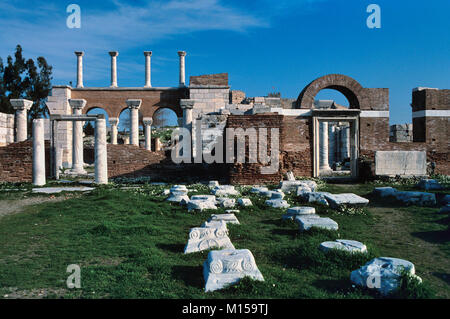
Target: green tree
[89,129]
[21,79]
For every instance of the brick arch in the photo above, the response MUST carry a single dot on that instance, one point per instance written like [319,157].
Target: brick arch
[113,101]
[176,109]
[346,85]
[178,114]
[87,108]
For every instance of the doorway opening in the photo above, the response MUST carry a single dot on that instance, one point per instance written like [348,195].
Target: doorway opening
[336,145]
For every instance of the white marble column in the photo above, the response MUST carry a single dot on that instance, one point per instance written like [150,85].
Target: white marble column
[323,144]
[182,55]
[77,137]
[332,146]
[38,153]
[114,55]
[58,160]
[134,106]
[148,69]
[114,122]
[187,106]
[157,144]
[345,142]
[79,55]
[148,121]
[101,156]
[22,107]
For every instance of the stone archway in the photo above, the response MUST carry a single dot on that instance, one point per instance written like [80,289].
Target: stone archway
[346,85]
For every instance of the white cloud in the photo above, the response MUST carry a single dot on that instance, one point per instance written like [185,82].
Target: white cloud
[41,29]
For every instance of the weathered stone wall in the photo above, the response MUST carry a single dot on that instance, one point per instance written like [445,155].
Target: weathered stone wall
[373,133]
[405,163]
[6,129]
[131,161]
[113,100]
[209,99]
[401,133]
[297,146]
[248,173]
[237,97]
[16,163]
[431,121]
[58,103]
[220,79]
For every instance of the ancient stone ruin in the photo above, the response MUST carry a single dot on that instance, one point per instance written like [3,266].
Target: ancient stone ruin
[303,136]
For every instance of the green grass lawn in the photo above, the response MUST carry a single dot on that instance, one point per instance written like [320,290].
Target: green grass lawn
[129,244]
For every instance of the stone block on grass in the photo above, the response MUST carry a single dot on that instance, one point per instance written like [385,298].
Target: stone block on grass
[306,222]
[203,238]
[227,267]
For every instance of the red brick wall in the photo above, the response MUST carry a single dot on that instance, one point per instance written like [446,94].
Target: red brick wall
[297,146]
[246,173]
[131,161]
[16,162]
[373,133]
[113,101]
[220,79]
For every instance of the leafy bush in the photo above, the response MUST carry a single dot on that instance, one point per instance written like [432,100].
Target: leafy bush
[411,287]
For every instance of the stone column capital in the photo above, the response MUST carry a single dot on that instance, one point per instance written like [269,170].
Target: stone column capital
[182,53]
[79,53]
[148,53]
[134,103]
[147,121]
[113,53]
[186,104]
[77,103]
[21,104]
[113,121]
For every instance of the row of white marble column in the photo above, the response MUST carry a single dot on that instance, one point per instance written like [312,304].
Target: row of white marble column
[22,106]
[39,176]
[327,150]
[115,54]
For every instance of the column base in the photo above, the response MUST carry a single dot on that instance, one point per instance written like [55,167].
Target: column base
[78,170]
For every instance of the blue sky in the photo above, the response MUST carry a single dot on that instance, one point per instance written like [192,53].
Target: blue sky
[264,45]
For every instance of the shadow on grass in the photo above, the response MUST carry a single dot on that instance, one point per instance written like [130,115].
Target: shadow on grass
[334,285]
[443,276]
[190,275]
[174,248]
[433,236]
[286,232]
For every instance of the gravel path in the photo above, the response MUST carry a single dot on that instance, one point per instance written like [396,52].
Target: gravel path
[15,206]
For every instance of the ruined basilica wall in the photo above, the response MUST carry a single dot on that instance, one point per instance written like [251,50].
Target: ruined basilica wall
[248,173]
[6,129]
[209,99]
[58,103]
[16,165]
[296,147]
